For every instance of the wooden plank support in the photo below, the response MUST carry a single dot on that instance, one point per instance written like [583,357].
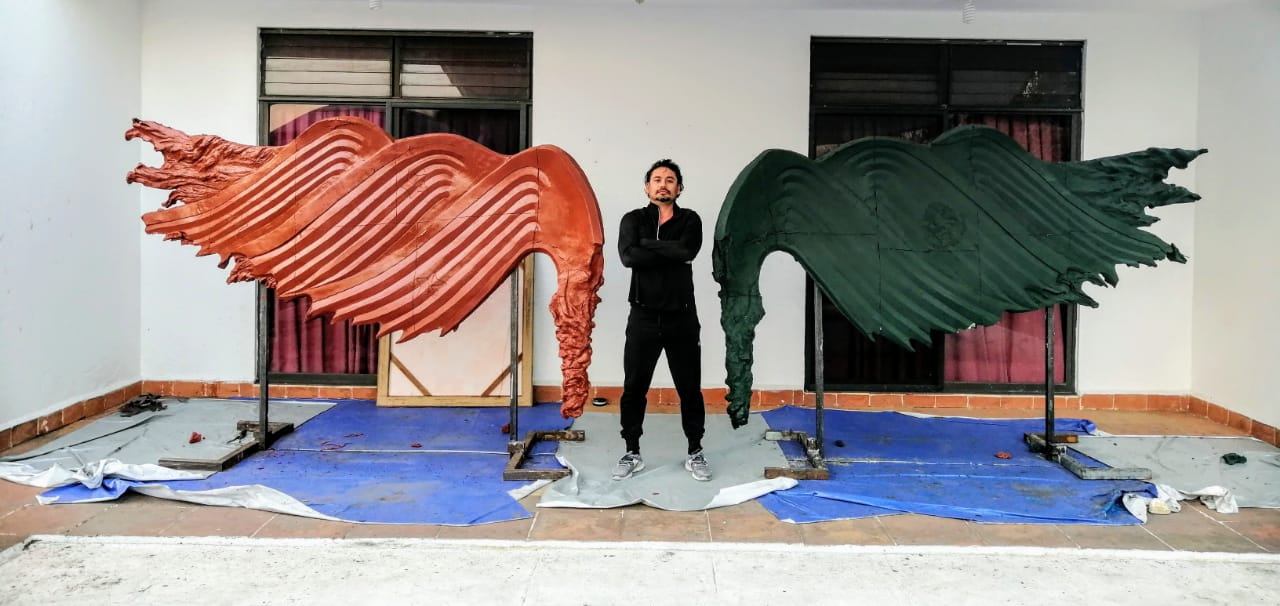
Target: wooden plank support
[520,450]
[817,469]
[1060,456]
[1058,438]
[248,429]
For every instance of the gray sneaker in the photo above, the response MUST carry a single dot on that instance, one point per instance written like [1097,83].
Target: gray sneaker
[627,465]
[697,465]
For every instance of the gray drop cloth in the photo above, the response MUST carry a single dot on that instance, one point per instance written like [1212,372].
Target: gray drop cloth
[737,458]
[131,447]
[1193,464]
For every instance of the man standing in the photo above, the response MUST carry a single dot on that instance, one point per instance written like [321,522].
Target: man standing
[658,243]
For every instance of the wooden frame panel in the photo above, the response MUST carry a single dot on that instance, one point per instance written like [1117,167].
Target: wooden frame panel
[495,392]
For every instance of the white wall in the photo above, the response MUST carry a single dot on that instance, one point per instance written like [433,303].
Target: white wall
[69,81]
[621,86]
[1140,91]
[1237,293]
[199,75]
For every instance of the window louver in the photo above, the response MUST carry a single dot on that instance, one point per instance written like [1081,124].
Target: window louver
[466,67]
[1030,76]
[874,74]
[327,66]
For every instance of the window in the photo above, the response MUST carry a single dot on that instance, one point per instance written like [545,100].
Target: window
[477,85]
[916,90]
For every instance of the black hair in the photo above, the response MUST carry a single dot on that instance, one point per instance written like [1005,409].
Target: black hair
[668,164]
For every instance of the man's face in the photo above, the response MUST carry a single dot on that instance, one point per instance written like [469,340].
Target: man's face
[662,186]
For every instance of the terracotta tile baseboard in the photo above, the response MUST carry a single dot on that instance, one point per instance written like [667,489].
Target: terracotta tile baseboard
[766,399]
[13,436]
[204,389]
[665,399]
[22,432]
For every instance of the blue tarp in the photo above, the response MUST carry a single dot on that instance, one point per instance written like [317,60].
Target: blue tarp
[359,425]
[357,462]
[891,463]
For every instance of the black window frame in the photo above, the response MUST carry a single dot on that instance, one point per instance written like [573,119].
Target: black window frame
[392,105]
[947,113]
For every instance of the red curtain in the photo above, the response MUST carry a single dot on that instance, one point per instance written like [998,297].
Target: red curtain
[317,346]
[1012,351]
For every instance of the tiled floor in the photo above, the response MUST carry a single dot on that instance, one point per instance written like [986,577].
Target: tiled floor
[1196,528]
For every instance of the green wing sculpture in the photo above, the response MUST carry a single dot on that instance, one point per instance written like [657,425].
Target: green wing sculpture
[905,238]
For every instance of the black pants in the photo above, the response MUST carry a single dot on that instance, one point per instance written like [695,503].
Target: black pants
[649,333]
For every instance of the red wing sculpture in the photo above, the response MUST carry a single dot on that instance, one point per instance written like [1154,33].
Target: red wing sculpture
[411,234]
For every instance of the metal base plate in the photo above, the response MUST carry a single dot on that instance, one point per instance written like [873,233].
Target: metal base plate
[817,469]
[249,428]
[1059,455]
[519,451]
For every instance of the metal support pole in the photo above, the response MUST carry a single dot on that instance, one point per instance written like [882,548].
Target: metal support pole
[263,432]
[517,447]
[513,437]
[264,361]
[1051,450]
[813,448]
[818,366]
[1048,444]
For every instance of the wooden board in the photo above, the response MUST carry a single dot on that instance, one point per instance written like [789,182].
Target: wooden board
[468,367]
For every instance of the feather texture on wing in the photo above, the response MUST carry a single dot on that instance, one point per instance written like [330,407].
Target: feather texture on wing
[906,239]
[412,234]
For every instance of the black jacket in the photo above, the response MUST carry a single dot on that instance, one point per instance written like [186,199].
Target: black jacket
[660,258]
